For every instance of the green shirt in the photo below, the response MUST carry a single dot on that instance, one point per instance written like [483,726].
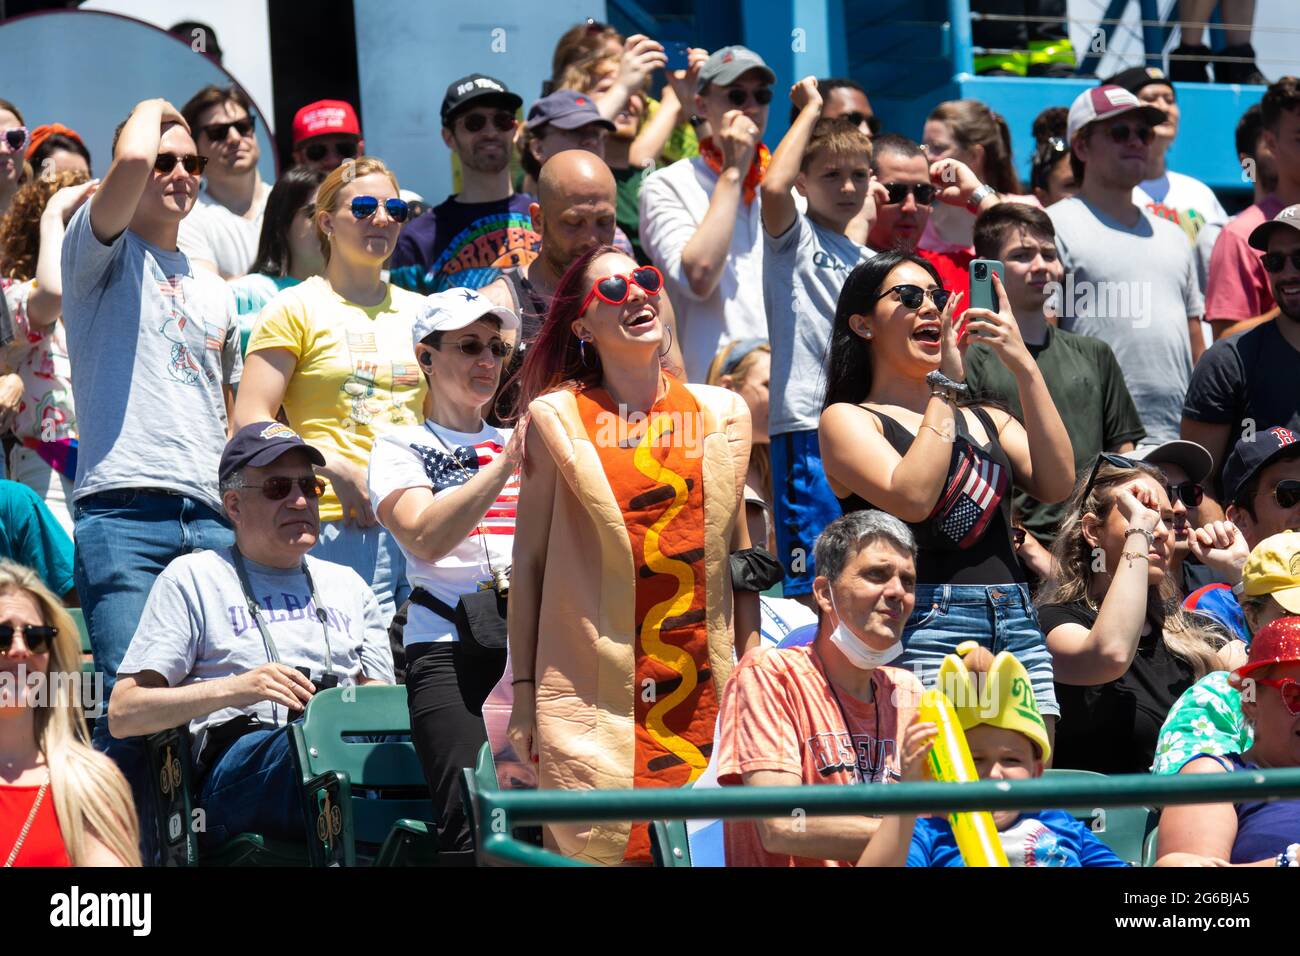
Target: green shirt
[1085,381]
[1207,719]
[627,183]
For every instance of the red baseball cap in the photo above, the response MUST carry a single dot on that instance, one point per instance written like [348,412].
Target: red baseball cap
[325,118]
[1278,642]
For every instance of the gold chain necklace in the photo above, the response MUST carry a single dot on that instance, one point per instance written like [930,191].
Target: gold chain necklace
[31,818]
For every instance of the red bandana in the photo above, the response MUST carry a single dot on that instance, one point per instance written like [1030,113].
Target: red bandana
[712,155]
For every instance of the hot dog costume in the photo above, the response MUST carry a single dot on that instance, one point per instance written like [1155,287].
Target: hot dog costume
[635,636]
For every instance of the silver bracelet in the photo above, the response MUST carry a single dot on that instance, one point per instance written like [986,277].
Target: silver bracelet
[1151,538]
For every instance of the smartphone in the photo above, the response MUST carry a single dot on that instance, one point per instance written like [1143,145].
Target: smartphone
[982,293]
[678,55]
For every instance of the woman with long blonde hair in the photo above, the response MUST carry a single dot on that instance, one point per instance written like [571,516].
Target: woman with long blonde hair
[1122,648]
[61,803]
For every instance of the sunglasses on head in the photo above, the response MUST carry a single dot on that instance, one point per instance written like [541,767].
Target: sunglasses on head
[898,193]
[346,149]
[1286,493]
[913,295]
[194,165]
[475,347]
[219,131]
[1275,261]
[277,488]
[1287,689]
[1189,492]
[738,97]
[504,122]
[37,637]
[16,138]
[1121,132]
[614,289]
[1118,461]
[363,207]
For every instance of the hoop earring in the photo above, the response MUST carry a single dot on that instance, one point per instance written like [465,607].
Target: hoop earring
[669,348]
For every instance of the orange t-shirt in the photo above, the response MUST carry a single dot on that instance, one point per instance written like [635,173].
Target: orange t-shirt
[778,713]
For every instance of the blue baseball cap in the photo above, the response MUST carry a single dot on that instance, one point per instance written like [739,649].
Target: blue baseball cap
[1249,456]
[566,109]
[260,444]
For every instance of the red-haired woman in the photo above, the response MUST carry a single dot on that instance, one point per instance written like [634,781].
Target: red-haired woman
[623,620]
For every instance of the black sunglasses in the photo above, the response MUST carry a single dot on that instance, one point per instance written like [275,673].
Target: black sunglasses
[345,149]
[194,165]
[474,347]
[913,295]
[1119,461]
[898,192]
[857,118]
[1018,536]
[219,131]
[363,207]
[1120,133]
[1286,493]
[16,138]
[739,97]
[1189,492]
[504,122]
[37,637]
[277,488]
[1274,261]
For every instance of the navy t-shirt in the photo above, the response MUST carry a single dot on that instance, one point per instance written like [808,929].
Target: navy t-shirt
[465,245]
[1047,838]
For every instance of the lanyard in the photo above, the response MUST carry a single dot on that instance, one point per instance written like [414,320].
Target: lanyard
[255,612]
[875,699]
[500,580]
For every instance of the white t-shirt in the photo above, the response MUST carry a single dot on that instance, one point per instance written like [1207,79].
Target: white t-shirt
[214,233]
[431,456]
[1189,204]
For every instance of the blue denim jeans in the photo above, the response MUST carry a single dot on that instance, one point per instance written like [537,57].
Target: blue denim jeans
[253,788]
[1001,617]
[124,540]
[802,505]
[374,554]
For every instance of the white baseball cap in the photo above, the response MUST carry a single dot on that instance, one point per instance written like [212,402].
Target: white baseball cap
[455,309]
[1103,102]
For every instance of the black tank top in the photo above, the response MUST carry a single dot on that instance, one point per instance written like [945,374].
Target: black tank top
[967,538]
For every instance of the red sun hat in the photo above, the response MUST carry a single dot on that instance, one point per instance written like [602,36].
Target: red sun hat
[325,118]
[1278,642]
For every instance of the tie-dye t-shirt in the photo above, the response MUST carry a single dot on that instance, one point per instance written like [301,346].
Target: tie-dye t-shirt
[464,245]
[356,377]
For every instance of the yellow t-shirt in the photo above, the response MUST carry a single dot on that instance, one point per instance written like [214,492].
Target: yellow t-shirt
[356,376]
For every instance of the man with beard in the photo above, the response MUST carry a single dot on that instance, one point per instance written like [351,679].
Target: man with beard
[474,234]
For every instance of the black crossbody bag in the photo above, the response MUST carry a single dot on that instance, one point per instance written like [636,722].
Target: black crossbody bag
[480,619]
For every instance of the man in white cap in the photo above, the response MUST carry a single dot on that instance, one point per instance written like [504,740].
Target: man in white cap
[1130,276]
[700,217]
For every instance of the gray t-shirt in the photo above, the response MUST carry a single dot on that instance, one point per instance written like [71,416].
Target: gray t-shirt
[804,269]
[151,341]
[1133,288]
[196,627]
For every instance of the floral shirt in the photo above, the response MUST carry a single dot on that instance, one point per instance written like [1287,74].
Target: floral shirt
[1206,719]
[40,357]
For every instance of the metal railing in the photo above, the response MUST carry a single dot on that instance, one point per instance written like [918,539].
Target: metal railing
[501,810]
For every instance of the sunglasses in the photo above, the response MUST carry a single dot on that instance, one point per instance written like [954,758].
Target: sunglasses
[1286,493]
[857,118]
[614,289]
[219,131]
[1275,261]
[194,165]
[1018,536]
[913,295]
[37,637]
[318,151]
[363,207]
[1119,461]
[504,122]
[1120,133]
[1189,492]
[278,487]
[1288,689]
[738,97]
[898,192]
[474,347]
[16,138]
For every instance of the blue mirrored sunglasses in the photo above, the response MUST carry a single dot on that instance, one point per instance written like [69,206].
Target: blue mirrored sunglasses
[363,207]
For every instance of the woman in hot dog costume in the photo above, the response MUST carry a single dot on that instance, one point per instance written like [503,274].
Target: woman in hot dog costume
[623,620]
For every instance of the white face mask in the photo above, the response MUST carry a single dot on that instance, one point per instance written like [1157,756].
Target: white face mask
[860,655]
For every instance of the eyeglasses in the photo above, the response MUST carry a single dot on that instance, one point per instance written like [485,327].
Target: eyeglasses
[37,637]
[1286,493]
[219,131]
[345,149]
[16,138]
[1121,132]
[1189,492]
[1119,461]
[614,289]
[277,488]
[474,347]
[363,207]
[898,192]
[738,97]
[857,118]
[1274,261]
[194,165]
[913,295]
[504,122]
[1288,689]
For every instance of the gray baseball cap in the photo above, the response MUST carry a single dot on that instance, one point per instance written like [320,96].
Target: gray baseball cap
[727,65]
[1290,216]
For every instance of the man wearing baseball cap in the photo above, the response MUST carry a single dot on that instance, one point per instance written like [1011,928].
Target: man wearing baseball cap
[472,235]
[566,119]
[701,218]
[447,490]
[1130,275]
[235,641]
[325,133]
[1251,377]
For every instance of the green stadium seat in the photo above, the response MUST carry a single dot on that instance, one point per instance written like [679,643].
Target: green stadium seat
[1123,829]
[1149,855]
[668,843]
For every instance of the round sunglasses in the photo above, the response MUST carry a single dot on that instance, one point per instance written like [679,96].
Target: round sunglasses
[738,97]
[219,131]
[1120,133]
[1286,493]
[277,487]
[37,637]
[318,151]
[614,289]
[194,165]
[913,295]
[363,207]
[504,122]
[1189,492]
[16,138]
[474,347]
[1275,261]
[898,192]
